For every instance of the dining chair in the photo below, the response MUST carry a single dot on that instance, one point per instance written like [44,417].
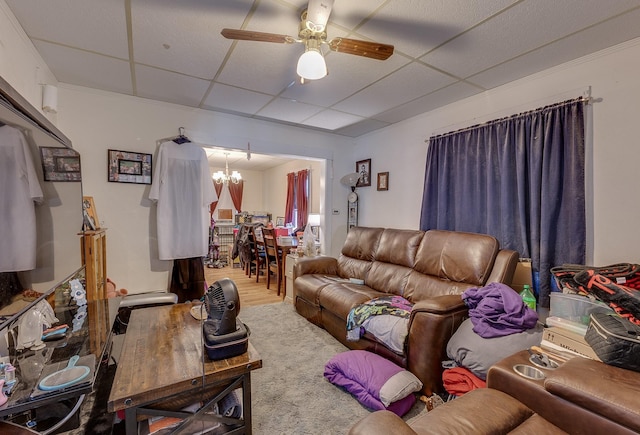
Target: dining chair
[259,257]
[274,258]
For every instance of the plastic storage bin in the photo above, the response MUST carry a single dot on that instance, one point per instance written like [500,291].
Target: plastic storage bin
[575,308]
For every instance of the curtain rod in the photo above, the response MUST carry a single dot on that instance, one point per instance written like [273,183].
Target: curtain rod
[587,100]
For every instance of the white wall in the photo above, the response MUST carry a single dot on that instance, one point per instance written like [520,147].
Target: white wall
[613,185]
[20,63]
[96,121]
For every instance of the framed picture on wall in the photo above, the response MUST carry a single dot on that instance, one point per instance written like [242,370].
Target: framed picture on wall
[280,221]
[128,167]
[383,181]
[60,164]
[363,167]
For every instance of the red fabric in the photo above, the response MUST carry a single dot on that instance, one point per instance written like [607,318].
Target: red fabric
[214,204]
[291,198]
[302,197]
[236,194]
[459,380]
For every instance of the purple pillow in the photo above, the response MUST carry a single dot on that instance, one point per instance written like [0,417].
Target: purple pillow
[363,374]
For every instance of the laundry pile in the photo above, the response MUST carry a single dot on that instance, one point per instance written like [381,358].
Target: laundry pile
[499,324]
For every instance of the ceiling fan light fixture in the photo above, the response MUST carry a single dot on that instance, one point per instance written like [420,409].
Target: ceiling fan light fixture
[311,65]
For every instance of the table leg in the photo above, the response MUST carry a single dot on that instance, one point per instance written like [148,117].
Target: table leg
[130,423]
[246,402]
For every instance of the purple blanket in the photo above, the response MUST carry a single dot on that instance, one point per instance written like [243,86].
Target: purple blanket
[497,310]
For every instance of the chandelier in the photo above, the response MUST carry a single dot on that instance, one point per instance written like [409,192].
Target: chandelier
[224,177]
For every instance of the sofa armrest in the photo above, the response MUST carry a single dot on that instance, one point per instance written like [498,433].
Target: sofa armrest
[316,265]
[600,388]
[433,322]
[382,422]
[504,267]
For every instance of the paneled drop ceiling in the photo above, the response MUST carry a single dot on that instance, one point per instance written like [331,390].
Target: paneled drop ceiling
[445,50]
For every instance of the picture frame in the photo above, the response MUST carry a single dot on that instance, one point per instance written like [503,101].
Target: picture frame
[90,215]
[280,221]
[60,164]
[383,181]
[129,167]
[363,167]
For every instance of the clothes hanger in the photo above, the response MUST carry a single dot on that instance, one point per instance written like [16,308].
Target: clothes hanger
[181,138]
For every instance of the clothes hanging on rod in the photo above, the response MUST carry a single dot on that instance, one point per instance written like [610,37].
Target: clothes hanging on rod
[183,192]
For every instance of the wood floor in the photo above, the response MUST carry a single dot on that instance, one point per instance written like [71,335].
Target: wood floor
[251,293]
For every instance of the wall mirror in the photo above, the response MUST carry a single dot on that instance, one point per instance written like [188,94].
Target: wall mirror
[59,215]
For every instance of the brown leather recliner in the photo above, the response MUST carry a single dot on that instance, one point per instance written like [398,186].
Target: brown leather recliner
[430,269]
[582,396]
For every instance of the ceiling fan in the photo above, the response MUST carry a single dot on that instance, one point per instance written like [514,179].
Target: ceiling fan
[312,33]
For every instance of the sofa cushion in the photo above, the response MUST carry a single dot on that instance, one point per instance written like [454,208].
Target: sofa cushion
[308,287]
[398,246]
[420,286]
[340,298]
[365,374]
[361,243]
[457,256]
[353,267]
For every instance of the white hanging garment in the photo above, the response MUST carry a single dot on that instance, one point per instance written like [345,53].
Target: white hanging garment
[19,190]
[183,189]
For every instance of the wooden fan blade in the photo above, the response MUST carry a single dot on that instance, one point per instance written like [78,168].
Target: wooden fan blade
[318,12]
[248,35]
[374,50]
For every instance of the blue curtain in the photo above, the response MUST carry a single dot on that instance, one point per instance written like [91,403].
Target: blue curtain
[520,179]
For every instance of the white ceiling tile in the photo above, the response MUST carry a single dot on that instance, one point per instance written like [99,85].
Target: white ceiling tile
[89,25]
[288,110]
[403,86]
[86,69]
[417,26]
[439,98]
[233,99]
[362,127]
[612,32]
[182,36]
[170,87]
[350,14]
[332,120]
[524,27]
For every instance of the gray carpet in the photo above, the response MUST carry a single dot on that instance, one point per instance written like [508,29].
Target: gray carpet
[289,392]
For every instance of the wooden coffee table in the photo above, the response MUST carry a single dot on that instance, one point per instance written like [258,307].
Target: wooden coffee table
[163,368]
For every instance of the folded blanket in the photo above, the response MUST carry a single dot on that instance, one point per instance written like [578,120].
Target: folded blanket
[497,310]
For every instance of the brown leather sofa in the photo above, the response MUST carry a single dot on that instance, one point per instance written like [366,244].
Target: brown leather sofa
[430,269]
[582,396]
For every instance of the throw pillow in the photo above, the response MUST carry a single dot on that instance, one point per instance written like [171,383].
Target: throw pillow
[365,375]
[477,354]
